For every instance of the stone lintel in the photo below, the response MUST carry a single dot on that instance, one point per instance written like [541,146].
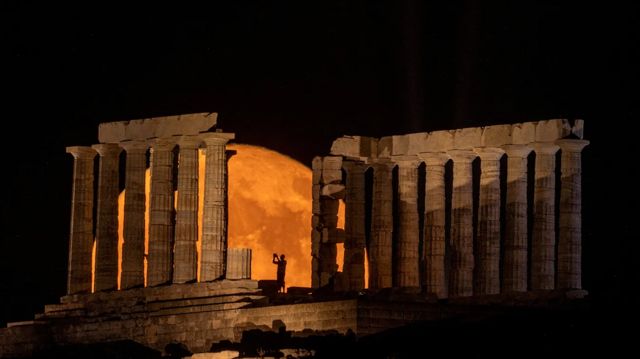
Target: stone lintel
[81,151]
[166,126]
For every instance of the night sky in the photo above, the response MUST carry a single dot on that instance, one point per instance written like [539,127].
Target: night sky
[292,76]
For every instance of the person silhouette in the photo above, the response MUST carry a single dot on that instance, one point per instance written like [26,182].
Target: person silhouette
[282,268]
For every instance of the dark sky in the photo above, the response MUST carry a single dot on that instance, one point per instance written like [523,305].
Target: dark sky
[292,76]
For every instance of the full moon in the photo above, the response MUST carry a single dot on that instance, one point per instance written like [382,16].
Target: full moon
[269,211]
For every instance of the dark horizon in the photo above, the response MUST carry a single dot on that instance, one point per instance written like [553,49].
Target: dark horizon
[292,77]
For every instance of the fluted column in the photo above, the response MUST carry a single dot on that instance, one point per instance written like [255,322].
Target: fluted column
[106,275]
[407,255]
[515,240]
[161,212]
[81,233]
[380,246]
[543,254]
[354,227]
[462,224]
[185,260]
[570,240]
[134,207]
[488,231]
[214,229]
[434,224]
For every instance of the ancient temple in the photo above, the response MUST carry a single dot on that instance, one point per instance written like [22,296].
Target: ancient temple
[452,221]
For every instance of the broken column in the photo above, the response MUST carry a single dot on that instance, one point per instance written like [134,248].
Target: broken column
[329,205]
[134,208]
[543,256]
[570,239]
[106,267]
[185,260]
[380,247]
[488,231]
[515,273]
[407,258]
[161,211]
[316,221]
[81,234]
[462,224]
[214,228]
[434,223]
[354,242]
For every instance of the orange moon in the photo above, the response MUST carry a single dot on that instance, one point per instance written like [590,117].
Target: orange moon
[269,211]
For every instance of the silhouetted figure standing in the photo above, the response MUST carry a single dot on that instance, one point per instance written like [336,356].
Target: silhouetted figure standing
[282,269]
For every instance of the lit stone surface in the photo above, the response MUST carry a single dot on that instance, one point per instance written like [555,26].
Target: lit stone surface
[461,282]
[185,259]
[106,266]
[515,273]
[214,229]
[81,234]
[570,239]
[238,263]
[407,254]
[161,213]
[354,242]
[380,247]
[134,221]
[543,256]
[434,224]
[488,231]
[157,127]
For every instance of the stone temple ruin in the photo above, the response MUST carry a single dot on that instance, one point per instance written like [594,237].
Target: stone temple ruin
[448,222]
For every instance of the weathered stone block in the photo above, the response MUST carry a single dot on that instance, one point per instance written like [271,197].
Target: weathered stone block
[385,145]
[354,146]
[416,142]
[438,141]
[578,129]
[399,145]
[467,138]
[523,133]
[496,135]
[331,176]
[189,124]
[335,191]
[551,130]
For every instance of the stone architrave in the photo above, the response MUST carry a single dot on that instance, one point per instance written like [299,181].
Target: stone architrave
[214,228]
[570,239]
[488,231]
[461,277]
[434,223]
[407,256]
[354,244]
[185,257]
[161,213]
[543,256]
[106,267]
[516,254]
[380,247]
[134,208]
[81,234]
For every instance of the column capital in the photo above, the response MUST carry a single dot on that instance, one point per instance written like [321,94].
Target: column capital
[462,156]
[166,144]
[382,163]
[489,153]
[216,138]
[134,146]
[189,142]
[572,145]
[547,148]
[521,151]
[406,161]
[81,152]
[434,158]
[107,149]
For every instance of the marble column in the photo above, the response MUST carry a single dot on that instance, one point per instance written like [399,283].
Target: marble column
[407,255]
[380,246]
[434,224]
[355,242]
[161,213]
[515,275]
[81,233]
[106,268]
[134,207]
[543,256]
[570,239]
[488,231]
[185,257]
[461,277]
[214,228]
